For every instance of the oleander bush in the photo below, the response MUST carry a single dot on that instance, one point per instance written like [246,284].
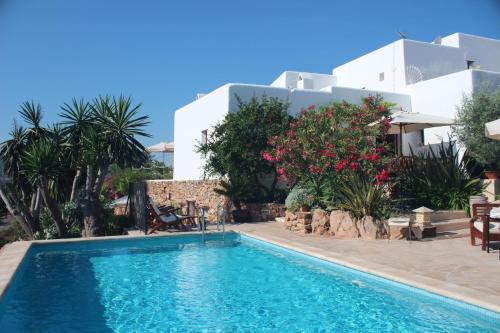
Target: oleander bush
[325,144]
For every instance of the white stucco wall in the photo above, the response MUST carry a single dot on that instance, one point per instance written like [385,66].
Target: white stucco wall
[432,60]
[364,71]
[189,121]
[485,52]
[290,79]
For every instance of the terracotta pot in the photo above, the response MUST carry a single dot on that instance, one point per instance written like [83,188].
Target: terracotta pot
[304,208]
[492,174]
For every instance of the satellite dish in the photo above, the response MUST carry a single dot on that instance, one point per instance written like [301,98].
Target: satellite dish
[438,40]
[402,35]
[413,74]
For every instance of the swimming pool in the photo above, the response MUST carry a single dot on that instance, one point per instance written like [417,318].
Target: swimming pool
[215,284]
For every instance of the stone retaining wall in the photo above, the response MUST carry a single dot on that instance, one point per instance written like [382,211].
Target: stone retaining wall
[177,192]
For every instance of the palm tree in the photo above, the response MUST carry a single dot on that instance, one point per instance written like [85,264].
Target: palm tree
[77,120]
[112,140]
[15,195]
[42,167]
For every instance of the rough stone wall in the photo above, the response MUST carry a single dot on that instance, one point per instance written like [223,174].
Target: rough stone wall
[174,192]
[299,221]
[177,192]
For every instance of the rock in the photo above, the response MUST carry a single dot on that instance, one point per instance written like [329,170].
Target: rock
[320,222]
[289,216]
[343,225]
[370,228]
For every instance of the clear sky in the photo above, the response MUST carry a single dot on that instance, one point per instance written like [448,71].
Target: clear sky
[164,52]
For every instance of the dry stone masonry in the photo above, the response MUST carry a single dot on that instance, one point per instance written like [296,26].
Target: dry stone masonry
[339,224]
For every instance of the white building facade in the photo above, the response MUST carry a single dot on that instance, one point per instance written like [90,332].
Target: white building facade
[429,78]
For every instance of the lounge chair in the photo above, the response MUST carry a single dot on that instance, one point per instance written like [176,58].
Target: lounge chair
[165,219]
[481,227]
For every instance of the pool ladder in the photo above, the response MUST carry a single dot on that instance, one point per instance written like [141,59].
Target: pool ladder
[221,219]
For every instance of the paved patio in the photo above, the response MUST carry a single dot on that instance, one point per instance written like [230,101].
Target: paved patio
[447,266]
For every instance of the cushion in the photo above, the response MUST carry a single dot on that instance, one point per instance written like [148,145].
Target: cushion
[169,218]
[494,227]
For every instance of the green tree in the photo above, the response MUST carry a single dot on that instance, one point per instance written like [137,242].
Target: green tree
[47,165]
[234,147]
[476,110]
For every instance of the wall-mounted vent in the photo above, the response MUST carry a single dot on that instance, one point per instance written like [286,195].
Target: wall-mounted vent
[413,74]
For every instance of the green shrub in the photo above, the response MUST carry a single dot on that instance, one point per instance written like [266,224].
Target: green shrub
[439,180]
[476,110]
[362,197]
[47,226]
[297,198]
[234,147]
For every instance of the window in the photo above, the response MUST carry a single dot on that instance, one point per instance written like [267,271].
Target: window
[470,64]
[204,137]
[381,76]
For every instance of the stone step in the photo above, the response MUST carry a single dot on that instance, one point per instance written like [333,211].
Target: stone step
[451,225]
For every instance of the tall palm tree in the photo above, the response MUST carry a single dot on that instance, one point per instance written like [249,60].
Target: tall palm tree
[112,140]
[41,165]
[77,120]
[15,194]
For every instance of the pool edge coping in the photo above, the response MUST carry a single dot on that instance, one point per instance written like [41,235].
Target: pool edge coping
[395,278]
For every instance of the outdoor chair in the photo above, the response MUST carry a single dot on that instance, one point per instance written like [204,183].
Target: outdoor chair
[481,227]
[165,219]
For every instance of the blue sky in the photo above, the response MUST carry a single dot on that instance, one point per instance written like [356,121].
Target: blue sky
[164,52]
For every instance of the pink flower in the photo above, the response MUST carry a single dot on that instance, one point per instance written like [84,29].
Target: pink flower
[280,171]
[353,166]
[267,157]
[311,107]
[382,177]
[314,169]
[341,165]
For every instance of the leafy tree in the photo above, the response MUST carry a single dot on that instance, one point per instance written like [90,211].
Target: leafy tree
[234,147]
[476,110]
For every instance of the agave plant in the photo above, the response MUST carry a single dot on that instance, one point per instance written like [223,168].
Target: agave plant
[363,197]
[440,179]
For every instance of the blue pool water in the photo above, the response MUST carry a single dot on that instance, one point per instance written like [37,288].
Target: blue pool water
[215,284]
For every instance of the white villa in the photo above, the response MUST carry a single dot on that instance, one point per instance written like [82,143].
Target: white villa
[429,78]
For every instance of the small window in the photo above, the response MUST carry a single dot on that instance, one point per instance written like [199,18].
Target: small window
[470,64]
[422,137]
[381,76]
[204,137]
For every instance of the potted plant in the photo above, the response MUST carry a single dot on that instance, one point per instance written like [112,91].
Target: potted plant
[476,110]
